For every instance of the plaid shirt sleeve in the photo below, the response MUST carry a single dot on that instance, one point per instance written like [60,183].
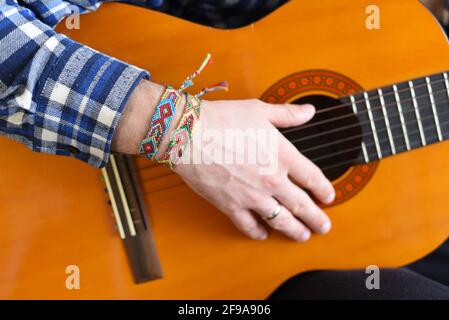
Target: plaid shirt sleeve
[56,95]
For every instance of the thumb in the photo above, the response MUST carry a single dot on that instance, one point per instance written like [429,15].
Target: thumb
[290,115]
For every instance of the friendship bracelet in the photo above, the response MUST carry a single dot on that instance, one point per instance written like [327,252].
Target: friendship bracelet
[160,122]
[183,133]
[166,109]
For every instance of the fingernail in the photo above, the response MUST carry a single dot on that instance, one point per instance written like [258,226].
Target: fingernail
[304,236]
[308,108]
[330,197]
[261,236]
[325,228]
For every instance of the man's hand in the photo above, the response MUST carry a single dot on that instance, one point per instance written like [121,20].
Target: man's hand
[241,191]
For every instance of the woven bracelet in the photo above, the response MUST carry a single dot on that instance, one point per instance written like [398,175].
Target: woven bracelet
[160,122]
[183,133]
[166,109]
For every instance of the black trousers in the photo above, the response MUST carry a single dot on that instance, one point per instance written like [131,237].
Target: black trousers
[343,285]
[426,279]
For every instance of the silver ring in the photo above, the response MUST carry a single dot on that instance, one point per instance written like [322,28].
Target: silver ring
[275,213]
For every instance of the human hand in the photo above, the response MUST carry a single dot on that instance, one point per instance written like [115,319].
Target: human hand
[239,190]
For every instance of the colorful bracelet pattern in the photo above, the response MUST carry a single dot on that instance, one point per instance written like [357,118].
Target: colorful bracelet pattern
[183,133]
[160,122]
[164,113]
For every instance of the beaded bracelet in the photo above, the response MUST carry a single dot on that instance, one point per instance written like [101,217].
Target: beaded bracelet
[165,111]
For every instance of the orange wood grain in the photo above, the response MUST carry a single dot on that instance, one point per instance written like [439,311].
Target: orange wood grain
[54,211]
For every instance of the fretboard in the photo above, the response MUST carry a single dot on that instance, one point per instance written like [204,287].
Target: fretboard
[402,117]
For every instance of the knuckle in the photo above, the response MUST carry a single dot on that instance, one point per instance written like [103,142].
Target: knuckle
[289,113]
[277,226]
[300,207]
[314,179]
[232,209]
[280,224]
[252,197]
[317,218]
[298,234]
[272,181]
[249,228]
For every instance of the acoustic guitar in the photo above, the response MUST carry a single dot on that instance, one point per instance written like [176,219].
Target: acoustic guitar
[383,117]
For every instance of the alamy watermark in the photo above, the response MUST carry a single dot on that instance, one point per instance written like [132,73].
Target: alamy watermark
[73,21]
[259,147]
[372,21]
[72,281]
[372,282]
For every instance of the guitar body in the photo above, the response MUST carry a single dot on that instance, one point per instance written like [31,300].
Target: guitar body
[54,211]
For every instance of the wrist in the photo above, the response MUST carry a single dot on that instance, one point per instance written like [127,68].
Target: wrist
[136,117]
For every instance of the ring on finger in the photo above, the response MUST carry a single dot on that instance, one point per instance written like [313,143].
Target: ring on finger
[275,212]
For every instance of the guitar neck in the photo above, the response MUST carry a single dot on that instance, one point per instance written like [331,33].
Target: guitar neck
[403,116]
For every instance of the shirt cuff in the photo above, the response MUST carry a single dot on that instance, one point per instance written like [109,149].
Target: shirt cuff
[80,100]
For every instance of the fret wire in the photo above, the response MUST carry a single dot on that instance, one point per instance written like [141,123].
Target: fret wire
[296,129]
[446,83]
[362,135]
[373,125]
[401,116]
[336,107]
[365,152]
[342,152]
[354,109]
[434,110]
[387,122]
[418,115]
[353,125]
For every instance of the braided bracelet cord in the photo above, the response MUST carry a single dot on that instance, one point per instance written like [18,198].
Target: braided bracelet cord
[166,109]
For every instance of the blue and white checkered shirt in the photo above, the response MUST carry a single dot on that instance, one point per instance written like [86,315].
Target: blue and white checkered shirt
[56,95]
[61,97]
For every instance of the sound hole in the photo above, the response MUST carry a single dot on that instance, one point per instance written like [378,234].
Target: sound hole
[332,139]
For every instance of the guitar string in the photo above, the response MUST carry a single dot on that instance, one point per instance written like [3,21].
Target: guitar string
[317,147]
[311,125]
[314,124]
[387,140]
[340,164]
[370,121]
[347,104]
[409,132]
[388,94]
[369,155]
